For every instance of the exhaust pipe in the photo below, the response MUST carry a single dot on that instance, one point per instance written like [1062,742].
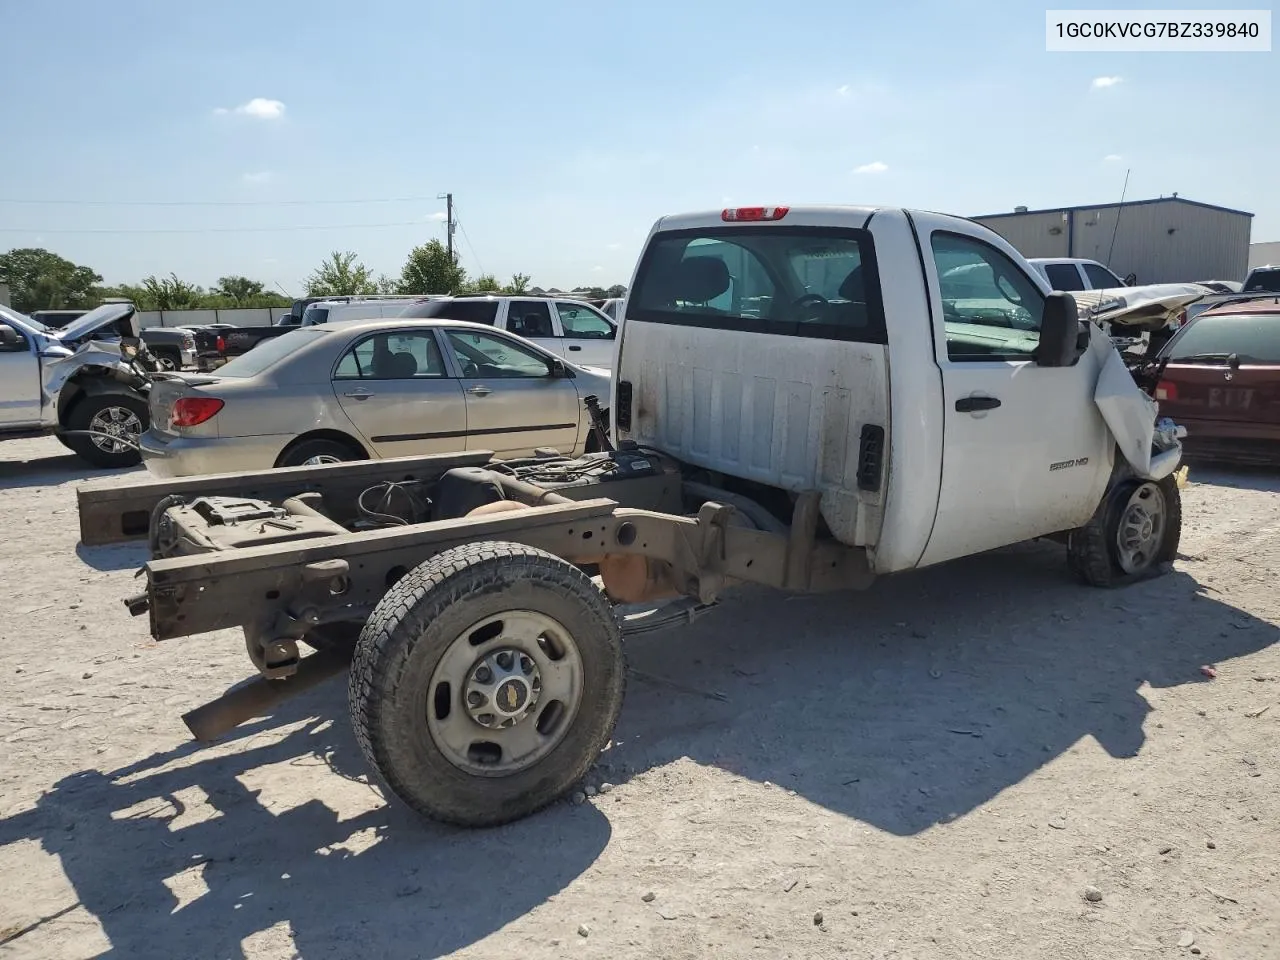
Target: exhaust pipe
[259,696]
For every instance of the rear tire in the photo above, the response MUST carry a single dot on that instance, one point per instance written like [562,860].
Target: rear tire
[115,413]
[168,359]
[316,452]
[1111,549]
[423,714]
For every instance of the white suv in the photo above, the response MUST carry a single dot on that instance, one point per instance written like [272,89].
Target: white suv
[568,328]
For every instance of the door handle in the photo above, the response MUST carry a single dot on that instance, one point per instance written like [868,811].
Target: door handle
[359,395]
[975,404]
[574,347]
[479,390]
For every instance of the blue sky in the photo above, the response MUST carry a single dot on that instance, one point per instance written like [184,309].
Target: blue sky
[565,128]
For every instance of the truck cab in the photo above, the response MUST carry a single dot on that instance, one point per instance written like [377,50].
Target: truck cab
[911,367]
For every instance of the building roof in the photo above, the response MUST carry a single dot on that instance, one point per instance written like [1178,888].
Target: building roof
[1112,206]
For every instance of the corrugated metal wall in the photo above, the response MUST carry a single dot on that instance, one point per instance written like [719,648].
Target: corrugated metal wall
[1169,242]
[1264,254]
[1032,233]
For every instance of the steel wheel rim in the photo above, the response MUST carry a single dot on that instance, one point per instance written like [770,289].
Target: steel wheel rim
[1141,528]
[115,429]
[321,458]
[166,363]
[503,723]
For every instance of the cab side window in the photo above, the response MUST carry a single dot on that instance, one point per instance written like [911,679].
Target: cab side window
[12,340]
[990,308]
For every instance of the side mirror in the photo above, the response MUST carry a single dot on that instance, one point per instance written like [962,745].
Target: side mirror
[11,341]
[1130,279]
[1060,327]
[558,370]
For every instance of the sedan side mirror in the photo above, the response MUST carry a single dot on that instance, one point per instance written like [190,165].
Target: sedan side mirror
[558,370]
[1060,327]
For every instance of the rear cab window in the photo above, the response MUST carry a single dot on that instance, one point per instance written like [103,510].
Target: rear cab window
[816,282]
[1263,280]
[1063,276]
[471,311]
[315,315]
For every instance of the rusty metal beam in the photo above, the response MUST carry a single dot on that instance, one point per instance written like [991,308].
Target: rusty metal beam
[114,513]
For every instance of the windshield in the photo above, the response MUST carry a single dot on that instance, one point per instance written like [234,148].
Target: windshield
[1252,337]
[818,282]
[269,352]
[1263,280]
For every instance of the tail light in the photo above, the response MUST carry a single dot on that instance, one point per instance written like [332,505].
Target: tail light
[753,214]
[193,411]
[1167,390]
[221,344]
[188,341]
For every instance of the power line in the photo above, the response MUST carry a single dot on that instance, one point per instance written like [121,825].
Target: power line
[469,246]
[210,203]
[336,226]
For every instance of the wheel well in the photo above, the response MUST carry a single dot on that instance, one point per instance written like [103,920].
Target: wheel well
[336,436]
[85,382]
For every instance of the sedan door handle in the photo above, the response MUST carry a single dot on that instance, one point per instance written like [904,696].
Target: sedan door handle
[359,395]
[574,348]
[975,404]
[479,390]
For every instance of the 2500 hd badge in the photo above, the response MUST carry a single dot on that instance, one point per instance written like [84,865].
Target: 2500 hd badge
[1064,464]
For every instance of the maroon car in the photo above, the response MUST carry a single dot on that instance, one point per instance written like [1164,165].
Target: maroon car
[1222,383]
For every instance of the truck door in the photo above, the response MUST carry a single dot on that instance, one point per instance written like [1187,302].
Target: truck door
[588,337]
[19,379]
[1026,452]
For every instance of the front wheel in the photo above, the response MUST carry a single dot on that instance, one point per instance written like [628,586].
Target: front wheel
[486,683]
[1133,534]
[105,429]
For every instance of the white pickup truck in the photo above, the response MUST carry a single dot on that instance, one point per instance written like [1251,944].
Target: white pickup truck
[806,398]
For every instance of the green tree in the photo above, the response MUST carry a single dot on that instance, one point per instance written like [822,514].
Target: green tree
[388,284]
[485,283]
[616,291]
[239,290]
[170,293]
[430,269]
[519,284]
[341,274]
[41,280]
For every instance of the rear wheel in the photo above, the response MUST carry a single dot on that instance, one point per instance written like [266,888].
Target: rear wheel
[311,453]
[1133,534]
[486,683]
[167,358]
[104,428]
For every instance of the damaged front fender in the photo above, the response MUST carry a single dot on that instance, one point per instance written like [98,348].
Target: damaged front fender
[1149,446]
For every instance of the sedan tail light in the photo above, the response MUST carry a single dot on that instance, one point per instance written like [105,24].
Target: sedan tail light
[1167,390]
[193,411]
[221,344]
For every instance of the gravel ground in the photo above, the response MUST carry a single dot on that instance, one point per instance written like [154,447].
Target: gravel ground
[983,760]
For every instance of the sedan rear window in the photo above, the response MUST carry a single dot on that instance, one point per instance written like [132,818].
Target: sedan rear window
[818,282]
[1252,338]
[1063,276]
[471,311]
[269,352]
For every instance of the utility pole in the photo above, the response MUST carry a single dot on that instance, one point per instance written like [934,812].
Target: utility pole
[448,199]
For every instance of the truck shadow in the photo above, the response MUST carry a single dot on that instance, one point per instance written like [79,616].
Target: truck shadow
[382,883]
[927,696]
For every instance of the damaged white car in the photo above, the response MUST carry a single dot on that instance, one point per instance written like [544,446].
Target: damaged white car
[86,383]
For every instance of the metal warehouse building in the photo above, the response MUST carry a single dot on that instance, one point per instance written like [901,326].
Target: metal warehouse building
[1169,240]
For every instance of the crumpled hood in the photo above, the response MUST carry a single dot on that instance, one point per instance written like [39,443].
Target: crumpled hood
[117,318]
[1144,308]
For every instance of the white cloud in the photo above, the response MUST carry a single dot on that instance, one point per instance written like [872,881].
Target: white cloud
[843,90]
[875,166]
[597,269]
[438,217]
[613,246]
[260,108]
[1112,157]
[1101,83]
[257,177]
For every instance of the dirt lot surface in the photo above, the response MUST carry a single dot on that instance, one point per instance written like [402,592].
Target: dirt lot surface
[983,760]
